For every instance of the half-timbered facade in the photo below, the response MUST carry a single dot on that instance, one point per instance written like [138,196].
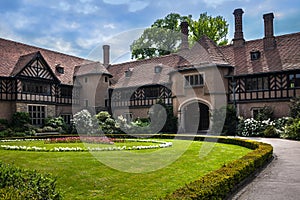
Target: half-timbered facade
[195,81]
[248,74]
[44,83]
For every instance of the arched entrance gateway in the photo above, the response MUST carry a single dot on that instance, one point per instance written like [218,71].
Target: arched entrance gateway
[194,117]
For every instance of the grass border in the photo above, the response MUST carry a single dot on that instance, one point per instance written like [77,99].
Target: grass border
[223,182]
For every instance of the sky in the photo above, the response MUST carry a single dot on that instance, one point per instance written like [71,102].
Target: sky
[81,27]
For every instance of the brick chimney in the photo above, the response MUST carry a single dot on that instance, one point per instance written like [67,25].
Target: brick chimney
[238,39]
[269,39]
[105,55]
[184,35]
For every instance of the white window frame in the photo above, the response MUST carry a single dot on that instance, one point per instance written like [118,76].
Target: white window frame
[188,83]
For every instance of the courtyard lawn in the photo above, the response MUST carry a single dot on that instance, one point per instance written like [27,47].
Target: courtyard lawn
[81,176]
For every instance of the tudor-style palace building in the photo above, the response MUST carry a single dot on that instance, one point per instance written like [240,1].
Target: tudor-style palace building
[195,81]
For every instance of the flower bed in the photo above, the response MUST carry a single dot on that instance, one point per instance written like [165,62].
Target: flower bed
[85,139]
[95,140]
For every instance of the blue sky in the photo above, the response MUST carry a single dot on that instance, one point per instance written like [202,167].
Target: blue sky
[81,27]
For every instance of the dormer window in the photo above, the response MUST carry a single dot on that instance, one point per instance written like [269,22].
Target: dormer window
[255,55]
[60,69]
[157,69]
[128,72]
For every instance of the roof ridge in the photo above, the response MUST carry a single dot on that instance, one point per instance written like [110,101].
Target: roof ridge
[40,48]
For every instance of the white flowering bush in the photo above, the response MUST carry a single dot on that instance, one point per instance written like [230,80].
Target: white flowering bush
[252,128]
[85,123]
[266,128]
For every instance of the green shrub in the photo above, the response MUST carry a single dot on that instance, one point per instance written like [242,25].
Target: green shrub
[106,123]
[227,126]
[271,132]
[16,183]
[266,113]
[20,119]
[292,131]
[3,124]
[295,107]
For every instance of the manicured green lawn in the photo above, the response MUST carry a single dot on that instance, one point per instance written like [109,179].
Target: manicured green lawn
[80,175]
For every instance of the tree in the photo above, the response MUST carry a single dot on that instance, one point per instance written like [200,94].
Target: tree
[216,28]
[162,38]
[164,35]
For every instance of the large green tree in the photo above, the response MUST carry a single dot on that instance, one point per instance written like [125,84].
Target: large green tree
[163,37]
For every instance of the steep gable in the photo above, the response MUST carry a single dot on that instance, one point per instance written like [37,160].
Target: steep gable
[33,66]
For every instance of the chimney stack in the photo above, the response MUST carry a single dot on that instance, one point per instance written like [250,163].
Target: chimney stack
[269,39]
[106,55]
[238,39]
[184,35]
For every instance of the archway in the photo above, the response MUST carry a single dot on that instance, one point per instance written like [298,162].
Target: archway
[195,117]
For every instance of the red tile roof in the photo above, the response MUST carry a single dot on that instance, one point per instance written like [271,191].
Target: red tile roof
[118,70]
[285,56]
[91,68]
[11,59]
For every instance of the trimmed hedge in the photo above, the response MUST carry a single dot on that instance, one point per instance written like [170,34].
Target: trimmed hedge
[224,181]
[19,184]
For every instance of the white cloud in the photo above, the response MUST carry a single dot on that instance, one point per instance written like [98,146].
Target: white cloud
[19,20]
[91,39]
[133,5]
[56,44]
[215,3]
[110,25]
[81,7]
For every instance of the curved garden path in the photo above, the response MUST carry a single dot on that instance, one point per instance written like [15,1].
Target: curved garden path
[280,180]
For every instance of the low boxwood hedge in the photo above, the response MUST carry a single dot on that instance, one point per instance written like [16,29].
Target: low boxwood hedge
[19,184]
[221,183]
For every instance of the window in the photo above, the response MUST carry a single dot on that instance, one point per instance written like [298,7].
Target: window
[85,79]
[157,69]
[86,103]
[194,80]
[255,55]
[128,73]
[60,69]
[67,118]
[255,112]
[128,116]
[66,91]
[294,80]
[106,102]
[257,83]
[37,114]
[127,94]
[36,88]
[152,92]
[105,79]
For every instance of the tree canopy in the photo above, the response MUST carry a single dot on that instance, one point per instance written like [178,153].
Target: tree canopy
[164,35]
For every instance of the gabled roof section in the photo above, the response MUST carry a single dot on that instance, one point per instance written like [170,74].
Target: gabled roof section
[285,56]
[144,75]
[11,60]
[171,61]
[92,68]
[204,52]
[24,67]
[22,62]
